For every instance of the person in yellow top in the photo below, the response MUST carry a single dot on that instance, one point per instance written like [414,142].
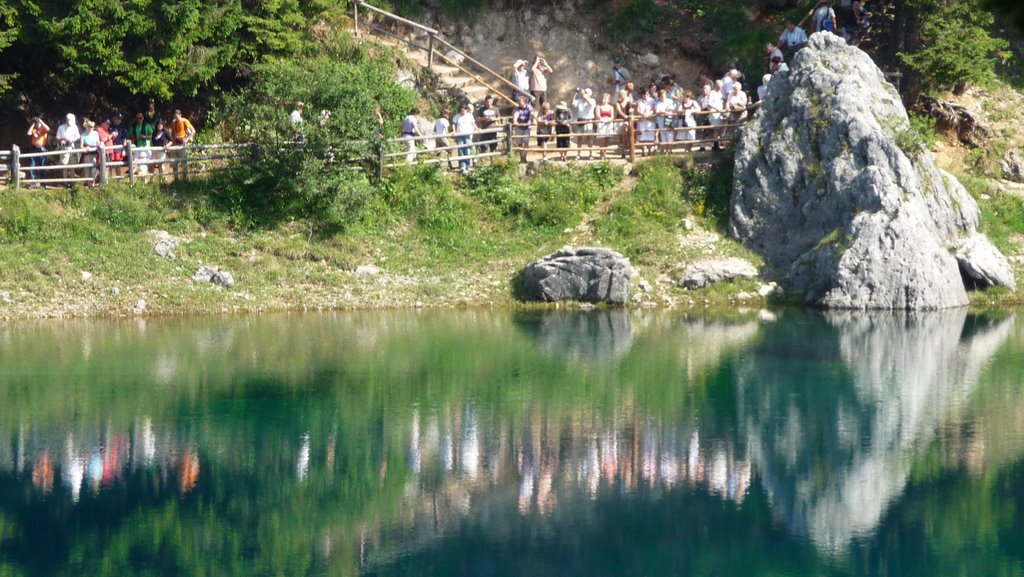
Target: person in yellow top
[38,134]
[181,134]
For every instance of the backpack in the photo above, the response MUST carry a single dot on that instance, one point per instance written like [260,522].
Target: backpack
[825,23]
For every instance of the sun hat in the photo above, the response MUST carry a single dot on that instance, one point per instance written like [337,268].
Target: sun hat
[562,105]
[519,63]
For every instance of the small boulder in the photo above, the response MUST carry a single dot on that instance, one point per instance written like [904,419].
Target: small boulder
[1013,166]
[140,307]
[707,272]
[164,248]
[214,275]
[86,275]
[223,278]
[983,265]
[585,274]
[650,59]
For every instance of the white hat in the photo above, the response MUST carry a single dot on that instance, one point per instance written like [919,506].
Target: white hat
[519,63]
[70,117]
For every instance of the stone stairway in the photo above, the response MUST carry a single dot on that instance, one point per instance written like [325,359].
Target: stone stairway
[412,44]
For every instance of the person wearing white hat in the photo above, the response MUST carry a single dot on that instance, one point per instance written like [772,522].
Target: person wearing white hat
[521,78]
[68,137]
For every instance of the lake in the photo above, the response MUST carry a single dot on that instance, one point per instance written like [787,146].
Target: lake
[614,442]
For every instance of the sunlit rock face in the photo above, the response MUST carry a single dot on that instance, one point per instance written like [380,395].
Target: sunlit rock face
[848,210]
[834,457]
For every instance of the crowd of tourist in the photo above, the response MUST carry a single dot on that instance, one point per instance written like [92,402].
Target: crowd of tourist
[659,116]
[106,138]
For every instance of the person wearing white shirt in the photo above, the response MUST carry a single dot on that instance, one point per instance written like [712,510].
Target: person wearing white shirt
[441,129]
[585,106]
[521,78]
[465,126]
[793,38]
[762,90]
[68,137]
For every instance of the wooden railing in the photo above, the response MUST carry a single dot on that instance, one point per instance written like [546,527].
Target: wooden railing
[487,77]
[69,166]
[585,140]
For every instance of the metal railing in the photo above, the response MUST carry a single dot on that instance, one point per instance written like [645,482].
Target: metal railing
[492,83]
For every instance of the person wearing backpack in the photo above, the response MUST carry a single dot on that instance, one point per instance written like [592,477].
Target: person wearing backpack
[824,17]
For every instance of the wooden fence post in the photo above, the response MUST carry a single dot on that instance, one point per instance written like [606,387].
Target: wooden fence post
[632,139]
[355,16]
[430,52]
[15,167]
[508,139]
[101,164]
[380,161]
[184,160]
[129,153]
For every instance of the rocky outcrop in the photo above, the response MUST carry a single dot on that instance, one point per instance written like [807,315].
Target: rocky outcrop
[846,208]
[214,275]
[708,272]
[593,275]
[1013,166]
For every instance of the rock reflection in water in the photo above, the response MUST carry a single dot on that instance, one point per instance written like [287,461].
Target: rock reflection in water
[597,335]
[835,439]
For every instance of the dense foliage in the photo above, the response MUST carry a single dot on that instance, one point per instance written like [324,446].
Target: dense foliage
[957,47]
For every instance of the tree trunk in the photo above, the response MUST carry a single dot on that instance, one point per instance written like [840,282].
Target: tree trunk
[910,86]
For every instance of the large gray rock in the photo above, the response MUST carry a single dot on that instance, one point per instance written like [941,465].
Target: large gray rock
[982,264]
[841,213]
[593,275]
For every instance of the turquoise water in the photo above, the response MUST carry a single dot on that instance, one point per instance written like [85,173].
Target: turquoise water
[614,443]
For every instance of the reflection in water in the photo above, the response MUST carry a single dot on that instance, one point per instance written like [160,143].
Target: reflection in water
[350,443]
[834,453]
[597,335]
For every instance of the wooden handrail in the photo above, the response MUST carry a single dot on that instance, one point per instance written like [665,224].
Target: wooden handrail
[481,65]
[396,17]
[478,79]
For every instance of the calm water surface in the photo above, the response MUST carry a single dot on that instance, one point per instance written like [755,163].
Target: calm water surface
[613,443]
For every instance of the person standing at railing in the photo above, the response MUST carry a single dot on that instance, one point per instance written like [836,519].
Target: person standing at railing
[92,142]
[646,125]
[441,129]
[623,118]
[118,136]
[150,114]
[140,133]
[161,140]
[563,127]
[410,131]
[522,123]
[103,129]
[715,107]
[182,133]
[620,76]
[38,133]
[539,79]
[605,125]
[586,109]
[465,126]
[688,107]
[545,126]
[68,138]
[665,116]
[487,118]
[737,106]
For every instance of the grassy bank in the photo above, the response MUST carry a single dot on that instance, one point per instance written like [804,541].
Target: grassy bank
[436,240]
